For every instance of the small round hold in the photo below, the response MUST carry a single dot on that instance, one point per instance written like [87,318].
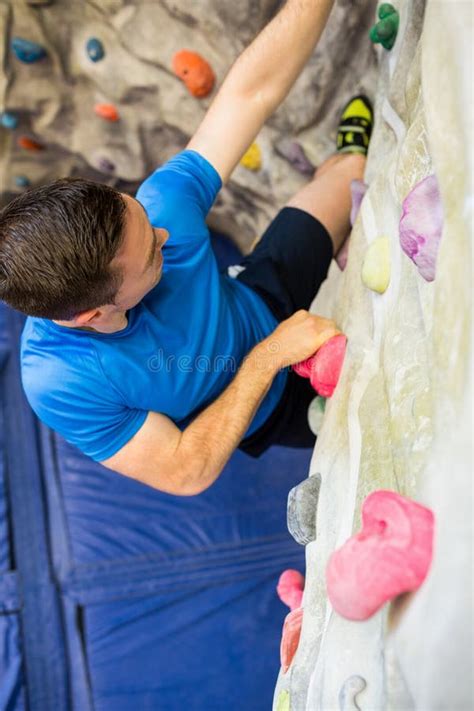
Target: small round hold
[107,112]
[105,165]
[27,51]
[9,120]
[95,49]
[22,181]
[29,144]
[252,158]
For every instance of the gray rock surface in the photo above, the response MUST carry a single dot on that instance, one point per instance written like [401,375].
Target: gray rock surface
[54,98]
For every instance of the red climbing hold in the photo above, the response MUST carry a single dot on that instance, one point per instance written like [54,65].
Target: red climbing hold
[290,637]
[389,556]
[194,71]
[290,588]
[324,367]
[29,144]
[107,112]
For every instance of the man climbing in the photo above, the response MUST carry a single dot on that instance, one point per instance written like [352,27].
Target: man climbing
[137,350]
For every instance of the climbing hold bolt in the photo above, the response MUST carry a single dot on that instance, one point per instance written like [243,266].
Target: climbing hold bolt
[27,51]
[290,637]
[107,112]
[8,120]
[302,510]
[290,588]
[194,71]
[95,49]
[421,226]
[351,688]
[376,266]
[384,32]
[390,555]
[29,144]
[252,158]
[22,181]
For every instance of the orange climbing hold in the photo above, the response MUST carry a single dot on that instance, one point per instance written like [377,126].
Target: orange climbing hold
[290,637]
[107,112]
[194,71]
[29,144]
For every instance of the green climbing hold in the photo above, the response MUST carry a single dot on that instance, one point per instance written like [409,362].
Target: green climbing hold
[283,703]
[384,32]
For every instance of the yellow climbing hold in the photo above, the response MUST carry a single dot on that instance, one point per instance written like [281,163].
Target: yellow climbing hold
[252,159]
[376,266]
[283,703]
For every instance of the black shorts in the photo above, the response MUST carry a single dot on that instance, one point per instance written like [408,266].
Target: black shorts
[286,268]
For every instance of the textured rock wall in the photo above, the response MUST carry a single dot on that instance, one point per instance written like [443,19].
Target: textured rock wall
[401,416]
[55,97]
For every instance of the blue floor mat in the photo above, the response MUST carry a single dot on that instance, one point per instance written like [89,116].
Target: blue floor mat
[115,596]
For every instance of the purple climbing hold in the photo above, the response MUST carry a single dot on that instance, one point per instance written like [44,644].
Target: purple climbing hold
[294,153]
[358,190]
[105,165]
[8,120]
[27,51]
[95,49]
[421,226]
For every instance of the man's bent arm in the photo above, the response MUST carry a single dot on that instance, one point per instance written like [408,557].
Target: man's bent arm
[258,82]
[187,463]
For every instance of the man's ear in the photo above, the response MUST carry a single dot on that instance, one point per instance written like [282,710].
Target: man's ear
[87,318]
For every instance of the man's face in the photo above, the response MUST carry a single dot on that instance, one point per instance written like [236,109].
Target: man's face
[139,257]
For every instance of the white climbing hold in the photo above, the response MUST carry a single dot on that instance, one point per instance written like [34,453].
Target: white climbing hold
[316,411]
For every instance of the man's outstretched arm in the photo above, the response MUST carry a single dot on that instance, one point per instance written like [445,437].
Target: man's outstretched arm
[185,463]
[258,82]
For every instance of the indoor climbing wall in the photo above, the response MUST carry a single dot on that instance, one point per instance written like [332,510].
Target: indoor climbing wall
[399,421]
[125,83]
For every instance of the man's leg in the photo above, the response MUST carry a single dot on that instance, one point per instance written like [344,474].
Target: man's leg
[328,196]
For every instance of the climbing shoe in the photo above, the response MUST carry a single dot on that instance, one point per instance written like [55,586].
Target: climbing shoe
[355,126]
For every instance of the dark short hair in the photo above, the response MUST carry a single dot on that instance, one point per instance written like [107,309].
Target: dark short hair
[56,245]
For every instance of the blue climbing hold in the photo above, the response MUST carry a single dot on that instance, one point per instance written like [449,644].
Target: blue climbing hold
[22,181]
[8,120]
[95,49]
[27,51]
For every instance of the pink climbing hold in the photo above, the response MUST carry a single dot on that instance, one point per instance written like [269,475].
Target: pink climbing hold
[324,367]
[390,555]
[421,226]
[290,588]
[290,637]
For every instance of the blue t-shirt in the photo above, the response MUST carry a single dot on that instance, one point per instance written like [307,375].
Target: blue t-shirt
[182,344]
